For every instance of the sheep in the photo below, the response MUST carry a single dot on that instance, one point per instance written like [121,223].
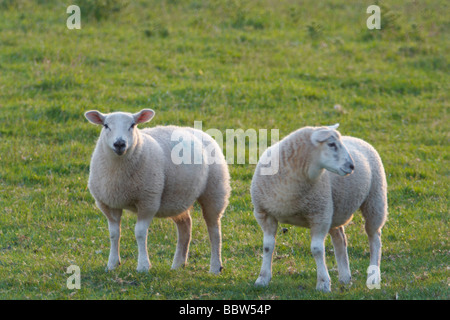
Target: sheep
[132,169]
[322,180]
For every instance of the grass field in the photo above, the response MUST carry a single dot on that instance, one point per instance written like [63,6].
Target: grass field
[231,64]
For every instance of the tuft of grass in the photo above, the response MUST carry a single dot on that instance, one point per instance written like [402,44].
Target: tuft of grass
[315,30]
[101,9]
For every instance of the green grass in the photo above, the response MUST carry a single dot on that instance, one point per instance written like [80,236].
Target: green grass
[230,64]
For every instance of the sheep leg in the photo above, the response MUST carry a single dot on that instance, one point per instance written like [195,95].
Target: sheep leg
[141,232]
[114,235]
[212,213]
[184,225]
[114,217]
[374,274]
[213,201]
[340,251]
[215,237]
[374,211]
[269,226]
[375,247]
[318,234]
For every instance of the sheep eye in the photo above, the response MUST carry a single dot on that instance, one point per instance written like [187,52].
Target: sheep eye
[106,126]
[133,125]
[332,145]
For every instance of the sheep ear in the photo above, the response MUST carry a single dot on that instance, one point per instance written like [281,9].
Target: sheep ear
[144,115]
[95,117]
[334,127]
[320,135]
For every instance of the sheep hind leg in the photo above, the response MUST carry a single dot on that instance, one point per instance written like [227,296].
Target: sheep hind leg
[340,251]
[269,226]
[375,213]
[212,213]
[184,226]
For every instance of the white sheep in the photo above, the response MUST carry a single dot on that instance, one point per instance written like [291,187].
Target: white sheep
[133,169]
[322,180]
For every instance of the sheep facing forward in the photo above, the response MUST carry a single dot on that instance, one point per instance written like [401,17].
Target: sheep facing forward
[132,169]
[322,180]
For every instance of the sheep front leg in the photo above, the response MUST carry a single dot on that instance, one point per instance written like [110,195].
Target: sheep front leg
[114,218]
[318,234]
[141,232]
[269,226]
[340,251]
[114,235]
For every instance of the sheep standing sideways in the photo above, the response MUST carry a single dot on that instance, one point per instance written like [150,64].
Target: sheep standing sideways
[133,169]
[322,180]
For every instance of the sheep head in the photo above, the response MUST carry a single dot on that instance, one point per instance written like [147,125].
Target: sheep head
[332,153]
[119,131]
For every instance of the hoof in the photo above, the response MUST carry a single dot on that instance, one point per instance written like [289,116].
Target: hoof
[323,287]
[345,280]
[112,265]
[216,270]
[262,282]
[143,267]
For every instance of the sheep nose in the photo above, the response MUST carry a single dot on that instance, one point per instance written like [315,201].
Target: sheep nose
[119,144]
[352,167]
